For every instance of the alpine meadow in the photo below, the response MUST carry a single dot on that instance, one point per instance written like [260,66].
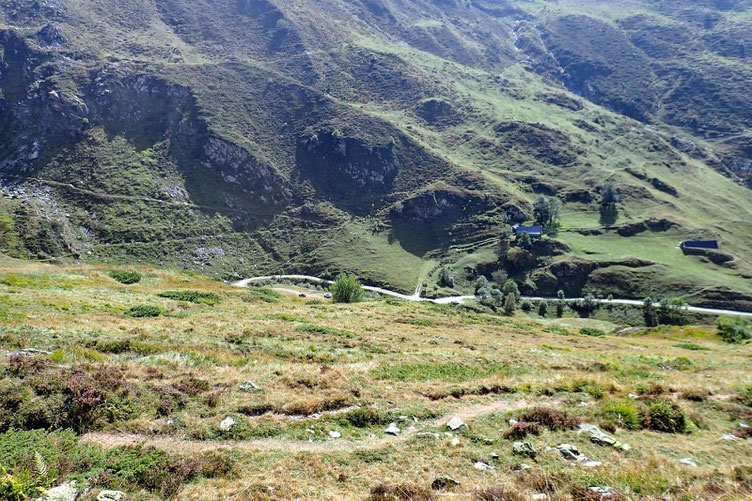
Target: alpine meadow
[383,250]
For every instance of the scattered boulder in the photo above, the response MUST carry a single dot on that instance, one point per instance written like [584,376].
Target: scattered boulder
[572,453]
[480,465]
[688,462]
[444,482]
[728,437]
[605,492]
[227,424]
[599,437]
[569,452]
[335,434]
[392,430]
[249,387]
[524,449]
[65,492]
[540,495]
[29,352]
[456,424]
[111,496]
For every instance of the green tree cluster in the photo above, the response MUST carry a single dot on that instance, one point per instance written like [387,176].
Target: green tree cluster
[547,212]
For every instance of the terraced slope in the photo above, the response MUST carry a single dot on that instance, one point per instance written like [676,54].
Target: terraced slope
[244,137]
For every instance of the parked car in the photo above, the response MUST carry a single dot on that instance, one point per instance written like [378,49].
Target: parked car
[328,295]
[302,294]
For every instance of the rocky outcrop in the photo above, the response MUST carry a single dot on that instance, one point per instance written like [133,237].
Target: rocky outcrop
[346,169]
[438,113]
[630,229]
[537,140]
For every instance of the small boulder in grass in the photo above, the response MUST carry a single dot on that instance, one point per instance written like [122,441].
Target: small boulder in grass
[457,425]
[392,430]
[227,424]
[443,482]
[107,495]
[524,449]
[249,387]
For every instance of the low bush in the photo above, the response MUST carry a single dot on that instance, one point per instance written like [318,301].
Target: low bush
[400,492]
[192,297]
[734,329]
[589,331]
[365,417]
[521,430]
[552,419]
[498,493]
[320,329]
[265,294]
[127,277]
[664,416]
[32,460]
[624,414]
[144,311]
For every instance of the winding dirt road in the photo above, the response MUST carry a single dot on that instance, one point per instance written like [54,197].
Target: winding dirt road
[459,299]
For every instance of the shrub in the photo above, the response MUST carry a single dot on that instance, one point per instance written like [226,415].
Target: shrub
[734,329]
[664,416]
[192,297]
[550,418]
[510,304]
[144,311]
[400,492]
[510,287]
[589,331]
[126,277]
[542,309]
[498,493]
[266,295]
[624,414]
[20,364]
[346,289]
[365,417]
[445,278]
[521,430]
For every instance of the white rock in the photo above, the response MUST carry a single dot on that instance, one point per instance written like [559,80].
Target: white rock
[227,424]
[540,495]
[591,464]
[480,465]
[111,496]
[728,437]
[455,441]
[743,425]
[402,418]
[456,424]
[688,461]
[249,387]
[513,422]
[65,492]
[393,429]
[335,434]
[633,396]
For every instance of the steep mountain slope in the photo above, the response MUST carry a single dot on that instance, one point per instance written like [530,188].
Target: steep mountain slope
[248,136]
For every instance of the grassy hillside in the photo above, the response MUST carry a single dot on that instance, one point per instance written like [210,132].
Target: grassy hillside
[387,138]
[145,400]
